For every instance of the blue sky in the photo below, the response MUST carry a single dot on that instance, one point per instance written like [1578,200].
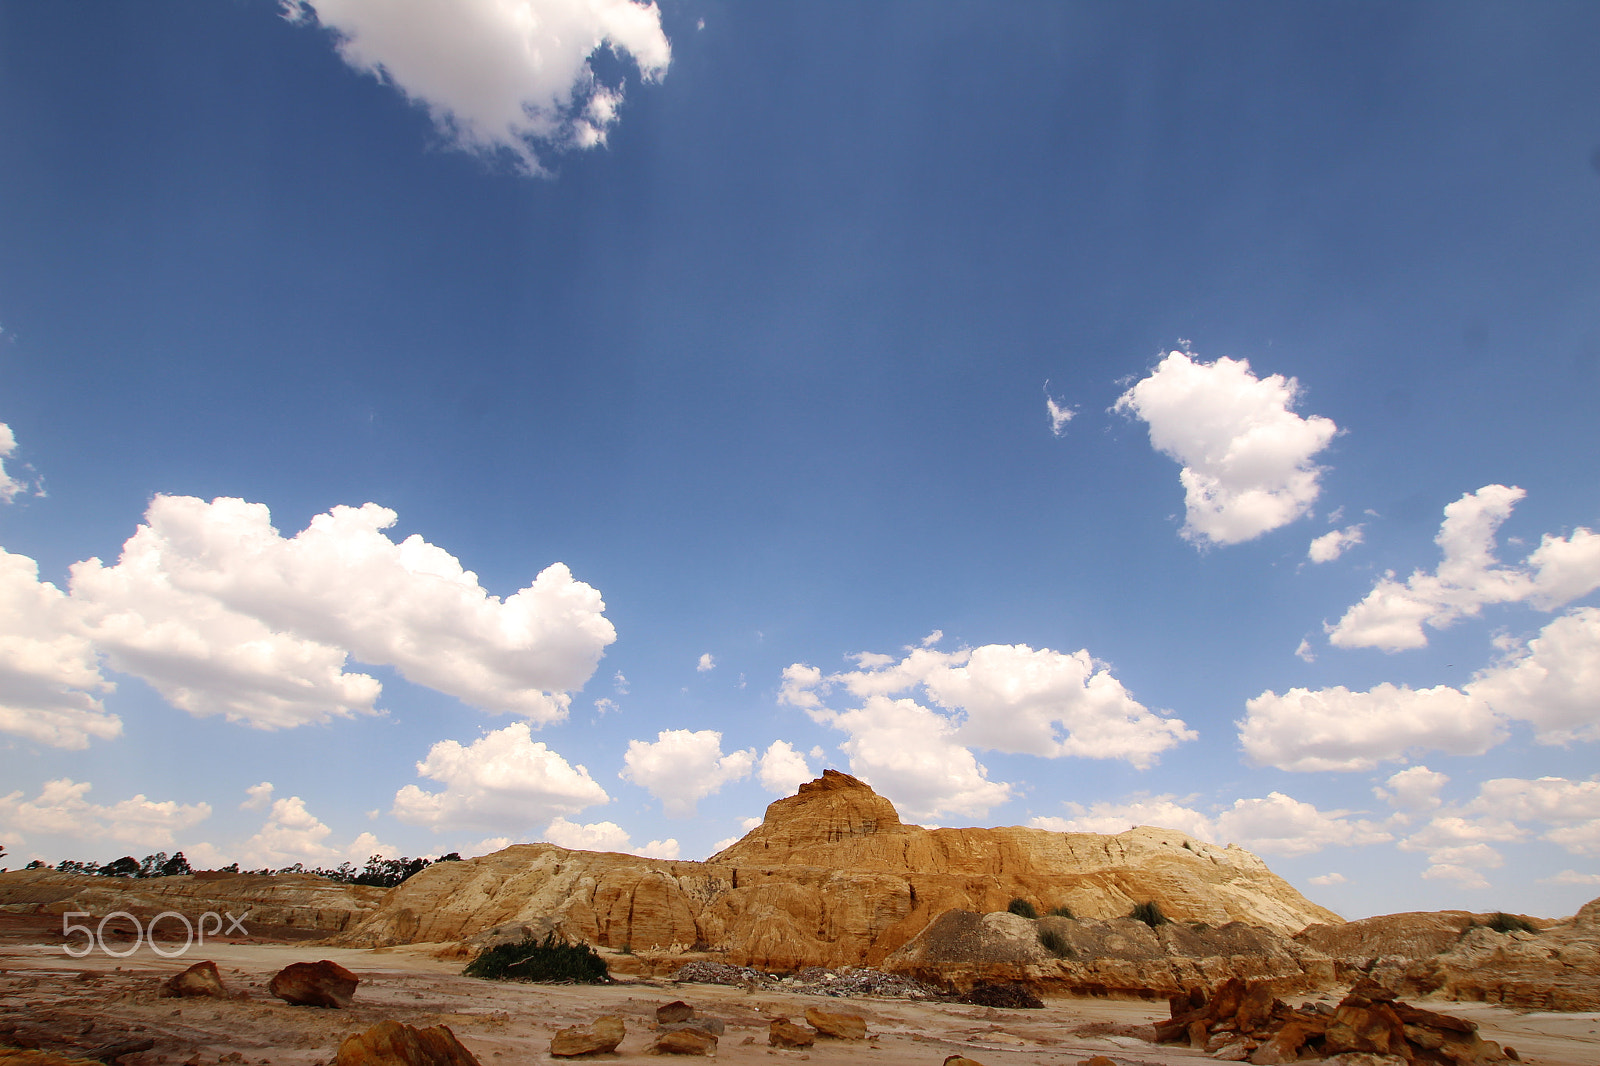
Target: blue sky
[431,427]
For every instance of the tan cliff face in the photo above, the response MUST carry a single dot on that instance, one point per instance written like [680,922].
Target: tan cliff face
[831,877]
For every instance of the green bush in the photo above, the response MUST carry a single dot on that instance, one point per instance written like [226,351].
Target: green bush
[1501,922]
[1022,908]
[1149,913]
[1062,911]
[548,960]
[1055,943]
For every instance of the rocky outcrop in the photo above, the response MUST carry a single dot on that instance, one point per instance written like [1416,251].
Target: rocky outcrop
[831,877]
[601,1038]
[1459,955]
[260,902]
[1095,957]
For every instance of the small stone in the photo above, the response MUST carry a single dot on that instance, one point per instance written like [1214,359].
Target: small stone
[784,1033]
[600,1038]
[314,984]
[201,979]
[1098,1060]
[687,1041]
[838,1025]
[961,1060]
[676,1011]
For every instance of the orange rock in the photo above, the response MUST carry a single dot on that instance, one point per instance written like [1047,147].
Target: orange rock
[314,984]
[394,1043]
[784,1033]
[600,1038]
[835,1024]
[201,979]
[683,1042]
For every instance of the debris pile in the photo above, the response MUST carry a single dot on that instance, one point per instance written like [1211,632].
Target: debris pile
[1243,1021]
[860,981]
[703,972]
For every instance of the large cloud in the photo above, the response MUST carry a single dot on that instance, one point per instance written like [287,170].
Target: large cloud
[292,834]
[504,780]
[911,755]
[1011,698]
[61,809]
[1553,684]
[499,75]
[49,674]
[1246,455]
[1337,729]
[1392,616]
[225,616]
[1275,824]
[680,768]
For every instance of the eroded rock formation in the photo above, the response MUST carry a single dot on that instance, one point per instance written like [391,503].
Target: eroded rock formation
[831,877]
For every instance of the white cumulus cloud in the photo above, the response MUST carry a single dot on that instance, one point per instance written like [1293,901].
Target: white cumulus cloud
[783,770]
[1011,698]
[61,809]
[1331,545]
[10,486]
[1329,879]
[1246,455]
[911,755]
[499,75]
[1415,788]
[260,795]
[1338,729]
[706,664]
[595,836]
[504,780]
[1554,684]
[292,834]
[222,615]
[680,768]
[1275,824]
[1391,617]
[50,682]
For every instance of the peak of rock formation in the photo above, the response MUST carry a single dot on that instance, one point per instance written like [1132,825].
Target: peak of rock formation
[831,877]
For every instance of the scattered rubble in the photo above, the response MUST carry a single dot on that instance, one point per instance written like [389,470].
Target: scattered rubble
[1244,1021]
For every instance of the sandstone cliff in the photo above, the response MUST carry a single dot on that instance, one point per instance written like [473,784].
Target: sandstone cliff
[1456,954]
[831,877]
[276,903]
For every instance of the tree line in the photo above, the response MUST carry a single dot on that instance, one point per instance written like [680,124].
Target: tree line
[379,871]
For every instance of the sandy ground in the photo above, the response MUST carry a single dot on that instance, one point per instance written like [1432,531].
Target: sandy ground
[101,999]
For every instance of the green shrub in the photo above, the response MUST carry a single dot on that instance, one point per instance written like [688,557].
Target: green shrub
[1149,913]
[1023,908]
[1501,922]
[1062,911]
[548,960]
[1055,943]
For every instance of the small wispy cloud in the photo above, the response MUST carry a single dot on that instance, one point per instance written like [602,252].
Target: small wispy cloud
[1060,413]
[706,664]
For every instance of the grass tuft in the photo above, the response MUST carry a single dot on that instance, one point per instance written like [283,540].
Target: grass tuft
[1055,944]
[1022,908]
[1501,922]
[1149,913]
[1062,911]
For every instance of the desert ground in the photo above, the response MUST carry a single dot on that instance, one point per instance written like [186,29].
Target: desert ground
[101,999]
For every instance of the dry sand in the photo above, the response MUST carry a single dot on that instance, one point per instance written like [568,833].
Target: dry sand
[105,999]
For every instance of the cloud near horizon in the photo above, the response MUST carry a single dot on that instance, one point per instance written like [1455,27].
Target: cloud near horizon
[498,75]
[1246,456]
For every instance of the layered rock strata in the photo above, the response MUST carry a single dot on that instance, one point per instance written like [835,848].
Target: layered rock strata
[831,877]
[278,902]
